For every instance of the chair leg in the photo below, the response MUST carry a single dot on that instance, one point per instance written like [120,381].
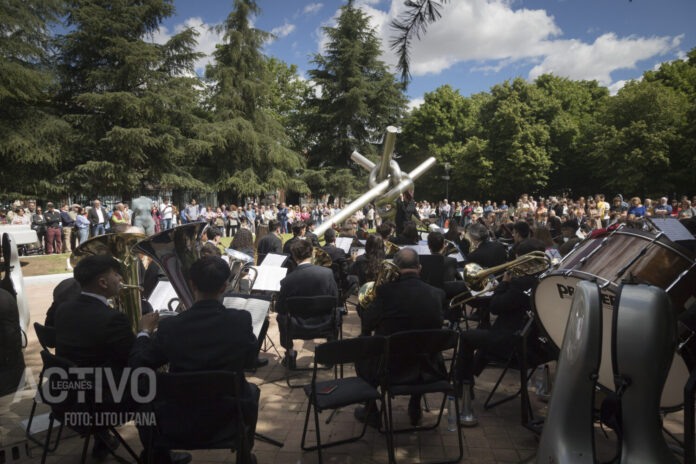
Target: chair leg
[306,424]
[390,431]
[31,419]
[316,424]
[60,432]
[125,445]
[86,444]
[48,439]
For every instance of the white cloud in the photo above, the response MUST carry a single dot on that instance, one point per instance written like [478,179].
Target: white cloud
[415,103]
[312,8]
[495,35]
[207,39]
[283,31]
[616,86]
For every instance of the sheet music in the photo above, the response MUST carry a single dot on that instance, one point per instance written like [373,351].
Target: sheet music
[344,243]
[458,256]
[360,251]
[269,278]
[420,249]
[273,259]
[673,229]
[161,295]
[256,307]
[363,242]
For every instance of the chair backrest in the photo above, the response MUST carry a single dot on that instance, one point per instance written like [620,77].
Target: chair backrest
[46,335]
[433,269]
[414,356]
[420,342]
[62,384]
[349,350]
[311,306]
[199,410]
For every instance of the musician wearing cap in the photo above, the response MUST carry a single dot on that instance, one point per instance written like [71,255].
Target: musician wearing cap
[510,303]
[306,280]
[206,337]
[404,304]
[90,333]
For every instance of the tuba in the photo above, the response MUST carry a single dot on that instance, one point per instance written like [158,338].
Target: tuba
[388,272]
[321,257]
[480,280]
[119,247]
[175,250]
[390,249]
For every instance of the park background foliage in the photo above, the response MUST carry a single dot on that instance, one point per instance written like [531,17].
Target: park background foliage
[91,106]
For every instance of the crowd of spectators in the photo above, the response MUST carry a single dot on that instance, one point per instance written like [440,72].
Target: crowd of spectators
[62,228]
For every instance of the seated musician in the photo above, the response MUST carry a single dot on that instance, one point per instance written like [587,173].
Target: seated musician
[408,236]
[436,244]
[486,253]
[404,304]
[510,304]
[270,243]
[90,333]
[569,231]
[309,232]
[337,254]
[362,230]
[298,234]
[206,337]
[307,280]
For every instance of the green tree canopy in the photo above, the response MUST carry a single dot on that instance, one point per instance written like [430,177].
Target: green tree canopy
[248,150]
[131,103]
[355,97]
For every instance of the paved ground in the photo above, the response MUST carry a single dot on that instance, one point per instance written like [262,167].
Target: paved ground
[499,438]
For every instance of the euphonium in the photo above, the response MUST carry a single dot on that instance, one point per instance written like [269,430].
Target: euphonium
[321,257]
[387,273]
[119,247]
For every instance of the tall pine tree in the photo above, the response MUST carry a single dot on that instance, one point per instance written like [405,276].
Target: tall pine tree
[30,133]
[248,149]
[356,96]
[129,100]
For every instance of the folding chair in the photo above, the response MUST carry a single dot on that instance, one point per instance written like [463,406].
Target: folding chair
[337,393]
[47,339]
[202,410]
[311,318]
[64,401]
[417,346]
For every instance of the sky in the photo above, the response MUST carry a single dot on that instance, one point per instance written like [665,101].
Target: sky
[478,43]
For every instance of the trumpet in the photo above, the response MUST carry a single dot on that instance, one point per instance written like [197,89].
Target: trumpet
[480,280]
[388,272]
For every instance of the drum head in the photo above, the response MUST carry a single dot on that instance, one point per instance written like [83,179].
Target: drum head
[552,300]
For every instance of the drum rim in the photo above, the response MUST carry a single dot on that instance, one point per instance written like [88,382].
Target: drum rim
[675,247]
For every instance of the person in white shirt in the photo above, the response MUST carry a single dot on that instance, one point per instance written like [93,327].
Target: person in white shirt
[166,211]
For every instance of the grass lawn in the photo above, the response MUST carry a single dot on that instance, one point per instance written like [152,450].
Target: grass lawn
[46,264]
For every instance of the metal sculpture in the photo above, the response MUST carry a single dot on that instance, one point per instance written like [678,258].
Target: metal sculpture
[386,180]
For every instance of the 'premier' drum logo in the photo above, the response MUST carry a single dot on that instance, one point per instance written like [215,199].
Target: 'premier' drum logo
[564,291]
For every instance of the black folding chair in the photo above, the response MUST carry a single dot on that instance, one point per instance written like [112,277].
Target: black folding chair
[77,398]
[311,318]
[413,348]
[47,339]
[338,393]
[529,352]
[202,410]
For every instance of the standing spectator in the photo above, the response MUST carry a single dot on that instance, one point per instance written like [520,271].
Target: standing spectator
[232,220]
[156,217]
[283,218]
[251,217]
[3,217]
[53,221]
[175,216]
[68,224]
[219,221]
[687,211]
[166,211]
[20,218]
[371,217]
[97,218]
[269,215]
[675,208]
[192,211]
[82,225]
[617,210]
[38,223]
[444,213]
[118,216]
[127,213]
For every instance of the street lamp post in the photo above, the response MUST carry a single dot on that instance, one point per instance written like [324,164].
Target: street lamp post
[446,178]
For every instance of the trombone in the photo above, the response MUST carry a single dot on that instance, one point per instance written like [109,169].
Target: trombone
[480,280]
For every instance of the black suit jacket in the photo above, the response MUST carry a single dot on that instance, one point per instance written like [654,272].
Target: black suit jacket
[408,304]
[269,244]
[336,253]
[206,337]
[510,303]
[488,254]
[286,246]
[306,280]
[94,218]
[451,269]
[91,334]
[313,237]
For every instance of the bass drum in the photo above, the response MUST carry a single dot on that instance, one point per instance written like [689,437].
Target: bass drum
[608,260]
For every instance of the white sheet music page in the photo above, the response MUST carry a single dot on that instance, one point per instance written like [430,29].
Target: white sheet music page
[257,308]
[344,243]
[273,259]
[269,278]
[161,295]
